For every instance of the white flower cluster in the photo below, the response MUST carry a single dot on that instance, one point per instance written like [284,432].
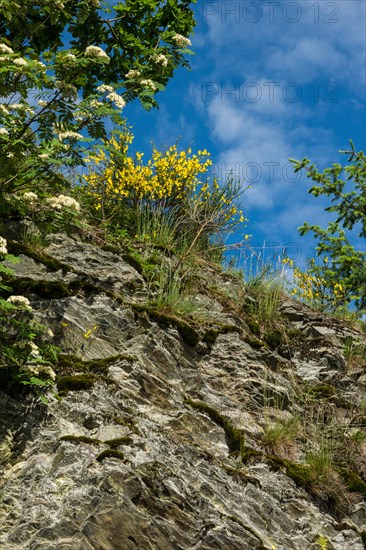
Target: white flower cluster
[148,84]
[63,201]
[3,246]
[94,103]
[133,73]
[117,100]
[160,59]
[95,51]
[3,109]
[39,370]
[30,197]
[44,156]
[42,103]
[47,371]
[4,132]
[181,41]
[21,62]
[95,3]
[5,49]
[104,89]
[34,350]
[69,135]
[19,301]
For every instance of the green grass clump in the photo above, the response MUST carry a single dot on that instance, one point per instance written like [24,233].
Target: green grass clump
[278,434]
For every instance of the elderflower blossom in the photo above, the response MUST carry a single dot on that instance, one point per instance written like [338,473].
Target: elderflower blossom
[19,301]
[117,99]
[5,49]
[30,197]
[3,110]
[69,135]
[94,103]
[181,41]
[44,156]
[148,84]
[42,103]
[95,51]
[4,132]
[30,370]
[3,246]
[160,59]
[21,62]
[34,350]
[132,74]
[63,201]
[47,371]
[104,88]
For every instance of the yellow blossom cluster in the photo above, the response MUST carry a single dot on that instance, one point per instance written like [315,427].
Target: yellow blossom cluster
[122,187]
[115,175]
[316,290]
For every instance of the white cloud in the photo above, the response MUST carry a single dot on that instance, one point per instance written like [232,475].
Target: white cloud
[327,41]
[322,48]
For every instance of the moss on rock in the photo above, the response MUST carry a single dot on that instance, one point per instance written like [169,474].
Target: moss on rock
[234,437]
[211,334]
[80,439]
[114,443]
[353,481]
[186,331]
[110,453]
[77,382]
[67,364]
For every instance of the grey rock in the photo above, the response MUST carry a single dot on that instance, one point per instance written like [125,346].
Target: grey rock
[174,485]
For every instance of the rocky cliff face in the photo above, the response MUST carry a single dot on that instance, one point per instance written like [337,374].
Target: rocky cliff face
[157,441]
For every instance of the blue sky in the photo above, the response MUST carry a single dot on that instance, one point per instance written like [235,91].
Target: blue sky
[269,81]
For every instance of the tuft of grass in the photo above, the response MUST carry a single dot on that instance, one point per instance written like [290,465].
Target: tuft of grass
[280,435]
[265,293]
[353,351]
